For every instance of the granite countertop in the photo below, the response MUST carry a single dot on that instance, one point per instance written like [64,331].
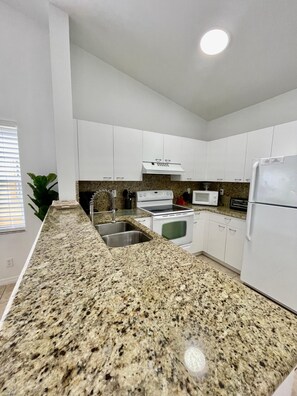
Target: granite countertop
[92,320]
[223,210]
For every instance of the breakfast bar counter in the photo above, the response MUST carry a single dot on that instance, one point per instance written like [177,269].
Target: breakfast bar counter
[87,319]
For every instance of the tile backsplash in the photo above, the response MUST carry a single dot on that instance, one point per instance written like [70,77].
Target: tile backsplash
[155,182]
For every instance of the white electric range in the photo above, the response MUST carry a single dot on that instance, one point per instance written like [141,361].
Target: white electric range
[173,222]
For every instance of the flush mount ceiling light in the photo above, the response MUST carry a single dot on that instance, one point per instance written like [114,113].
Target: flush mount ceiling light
[214,41]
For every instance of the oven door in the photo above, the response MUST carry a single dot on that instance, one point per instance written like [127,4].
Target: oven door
[177,228]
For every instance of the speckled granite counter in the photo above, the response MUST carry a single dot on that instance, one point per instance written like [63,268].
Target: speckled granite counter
[223,210]
[89,320]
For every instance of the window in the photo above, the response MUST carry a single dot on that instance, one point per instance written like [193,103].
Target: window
[12,216]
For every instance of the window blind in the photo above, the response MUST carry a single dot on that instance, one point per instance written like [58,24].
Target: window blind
[12,216]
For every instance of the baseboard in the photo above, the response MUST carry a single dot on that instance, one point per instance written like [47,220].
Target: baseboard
[222,262]
[7,281]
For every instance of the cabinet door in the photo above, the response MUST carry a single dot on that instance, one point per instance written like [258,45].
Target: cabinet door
[284,139]
[95,151]
[258,146]
[198,233]
[200,160]
[188,151]
[152,147]
[216,240]
[127,154]
[235,158]
[172,149]
[216,154]
[234,245]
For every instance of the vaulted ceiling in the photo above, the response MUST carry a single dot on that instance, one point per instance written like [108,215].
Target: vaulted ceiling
[157,43]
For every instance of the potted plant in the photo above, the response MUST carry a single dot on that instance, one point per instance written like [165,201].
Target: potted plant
[43,193]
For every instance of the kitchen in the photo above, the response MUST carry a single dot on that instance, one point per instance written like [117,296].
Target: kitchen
[81,104]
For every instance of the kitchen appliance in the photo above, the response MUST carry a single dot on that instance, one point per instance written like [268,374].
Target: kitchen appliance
[127,199]
[239,204]
[270,250]
[209,198]
[173,222]
[162,168]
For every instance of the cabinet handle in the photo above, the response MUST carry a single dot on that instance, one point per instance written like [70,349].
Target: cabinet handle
[120,178]
[195,222]
[220,226]
[237,179]
[232,229]
[220,179]
[158,159]
[247,180]
[106,178]
[167,160]
[189,178]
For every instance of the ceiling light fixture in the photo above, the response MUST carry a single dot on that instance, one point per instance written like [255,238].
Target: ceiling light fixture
[214,41]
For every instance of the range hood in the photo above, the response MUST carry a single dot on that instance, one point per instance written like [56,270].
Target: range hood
[162,168]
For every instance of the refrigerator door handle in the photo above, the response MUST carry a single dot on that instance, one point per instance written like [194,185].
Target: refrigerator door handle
[253,181]
[249,222]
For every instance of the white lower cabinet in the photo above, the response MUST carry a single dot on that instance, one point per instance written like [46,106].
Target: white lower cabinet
[216,240]
[146,221]
[199,232]
[234,244]
[225,239]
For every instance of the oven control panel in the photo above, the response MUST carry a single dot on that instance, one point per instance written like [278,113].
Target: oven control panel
[154,195]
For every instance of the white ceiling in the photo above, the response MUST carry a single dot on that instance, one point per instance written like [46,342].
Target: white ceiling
[157,43]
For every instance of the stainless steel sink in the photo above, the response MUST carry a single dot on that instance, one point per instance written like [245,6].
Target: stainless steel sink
[125,238]
[114,228]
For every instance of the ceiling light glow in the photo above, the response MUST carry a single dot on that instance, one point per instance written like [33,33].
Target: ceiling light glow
[214,41]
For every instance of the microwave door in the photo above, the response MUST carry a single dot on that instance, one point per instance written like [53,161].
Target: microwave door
[202,198]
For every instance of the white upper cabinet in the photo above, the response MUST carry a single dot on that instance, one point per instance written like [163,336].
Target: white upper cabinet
[216,154]
[284,139]
[200,160]
[172,149]
[158,147]
[258,146]
[235,158]
[188,151]
[152,147]
[95,150]
[127,154]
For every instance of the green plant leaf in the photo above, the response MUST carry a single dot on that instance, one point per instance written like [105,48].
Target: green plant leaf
[32,175]
[51,177]
[42,193]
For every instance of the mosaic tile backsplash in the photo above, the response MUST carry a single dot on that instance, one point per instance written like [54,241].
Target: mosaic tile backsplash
[156,182]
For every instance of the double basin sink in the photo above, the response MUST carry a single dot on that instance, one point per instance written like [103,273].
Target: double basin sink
[121,234]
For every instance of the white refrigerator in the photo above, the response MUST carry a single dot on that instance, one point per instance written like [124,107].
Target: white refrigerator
[270,249]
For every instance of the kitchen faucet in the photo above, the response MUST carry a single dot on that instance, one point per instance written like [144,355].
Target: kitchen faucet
[112,194]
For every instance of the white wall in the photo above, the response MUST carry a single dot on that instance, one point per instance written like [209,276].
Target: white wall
[25,97]
[280,109]
[104,94]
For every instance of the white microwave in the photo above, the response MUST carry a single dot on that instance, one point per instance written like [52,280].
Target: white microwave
[202,197]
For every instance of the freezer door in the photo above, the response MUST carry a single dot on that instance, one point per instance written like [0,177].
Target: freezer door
[270,253]
[274,181]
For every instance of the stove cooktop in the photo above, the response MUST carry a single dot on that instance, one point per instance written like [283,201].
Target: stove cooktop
[164,209]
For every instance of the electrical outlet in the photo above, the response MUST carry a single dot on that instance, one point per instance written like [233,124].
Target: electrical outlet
[221,191]
[9,262]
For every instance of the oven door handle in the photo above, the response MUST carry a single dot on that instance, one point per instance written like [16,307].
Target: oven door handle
[173,215]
